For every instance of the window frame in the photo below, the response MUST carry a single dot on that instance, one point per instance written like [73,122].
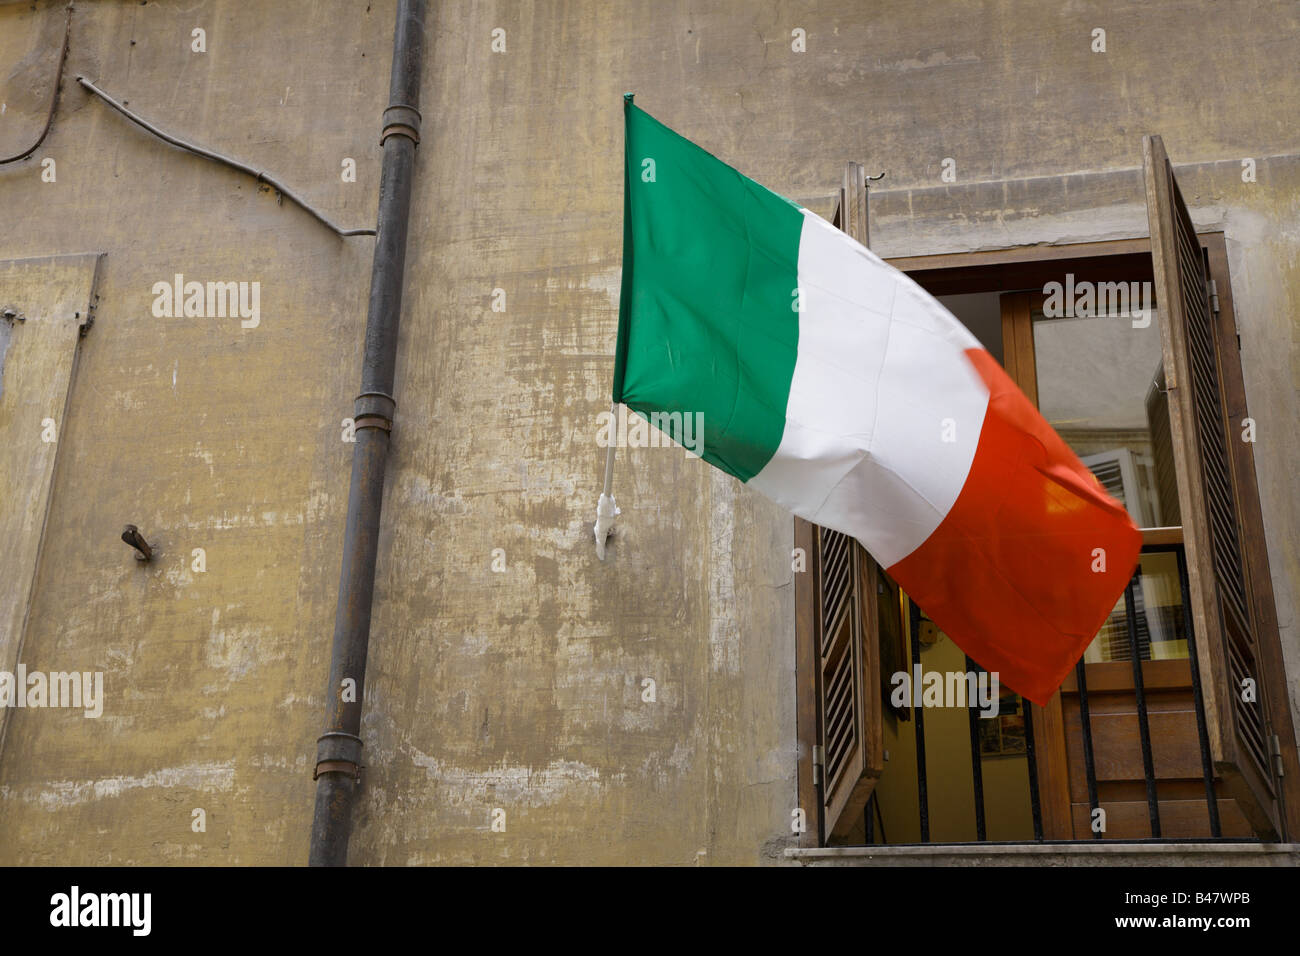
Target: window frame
[1027,268]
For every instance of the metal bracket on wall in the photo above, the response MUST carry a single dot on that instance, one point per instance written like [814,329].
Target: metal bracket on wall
[338,766]
[132,536]
[90,317]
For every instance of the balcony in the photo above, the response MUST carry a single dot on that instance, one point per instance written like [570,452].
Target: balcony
[1119,770]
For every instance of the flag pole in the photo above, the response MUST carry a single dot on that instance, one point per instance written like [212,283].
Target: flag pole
[606,509]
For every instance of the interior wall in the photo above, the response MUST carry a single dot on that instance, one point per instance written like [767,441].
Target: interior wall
[949,781]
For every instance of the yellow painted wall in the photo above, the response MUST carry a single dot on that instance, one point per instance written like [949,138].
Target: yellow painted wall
[950,790]
[521,689]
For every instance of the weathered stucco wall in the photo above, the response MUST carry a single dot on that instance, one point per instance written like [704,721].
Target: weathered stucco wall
[522,689]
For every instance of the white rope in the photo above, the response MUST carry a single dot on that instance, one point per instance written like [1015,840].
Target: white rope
[606,509]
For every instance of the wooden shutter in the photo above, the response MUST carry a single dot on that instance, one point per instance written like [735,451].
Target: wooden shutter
[838,645]
[52,301]
[1222,606]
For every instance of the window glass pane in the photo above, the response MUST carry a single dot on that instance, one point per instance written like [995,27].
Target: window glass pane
[6,332]
[1101,386]
[1159,619]
[981,313]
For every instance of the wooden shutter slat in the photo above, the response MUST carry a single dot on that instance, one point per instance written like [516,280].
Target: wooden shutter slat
[839,696]
[836,580]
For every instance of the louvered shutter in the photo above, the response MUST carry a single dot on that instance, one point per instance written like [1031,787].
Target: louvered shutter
[839,678]
[1226,637]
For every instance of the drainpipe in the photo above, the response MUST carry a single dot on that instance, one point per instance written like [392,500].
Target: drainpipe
[338,750]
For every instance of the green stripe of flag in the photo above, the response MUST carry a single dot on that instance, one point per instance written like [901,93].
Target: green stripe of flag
[706,318]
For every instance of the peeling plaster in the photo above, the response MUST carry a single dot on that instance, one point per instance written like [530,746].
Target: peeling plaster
[61,794]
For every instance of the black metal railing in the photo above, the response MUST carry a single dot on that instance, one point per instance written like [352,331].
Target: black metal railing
[1139,647]
[1134,622]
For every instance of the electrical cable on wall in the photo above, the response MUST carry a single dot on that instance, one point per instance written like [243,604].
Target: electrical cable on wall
[54,98]
[216,157]
[260,176]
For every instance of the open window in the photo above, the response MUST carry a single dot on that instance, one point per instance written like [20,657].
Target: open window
[1174,719]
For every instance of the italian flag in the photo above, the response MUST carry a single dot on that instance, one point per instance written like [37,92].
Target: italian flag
[837,387]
